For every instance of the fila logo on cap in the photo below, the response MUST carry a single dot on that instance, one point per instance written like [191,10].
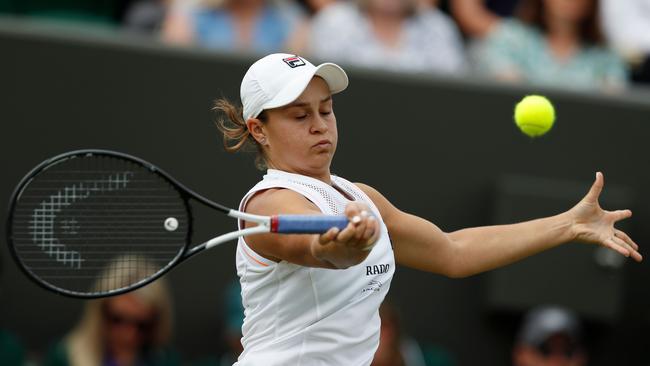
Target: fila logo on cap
[294,61]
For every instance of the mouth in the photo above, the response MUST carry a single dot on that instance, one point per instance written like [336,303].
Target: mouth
[323,143]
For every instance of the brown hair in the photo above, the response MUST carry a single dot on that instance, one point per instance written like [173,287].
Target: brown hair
[532,12]
[236,135]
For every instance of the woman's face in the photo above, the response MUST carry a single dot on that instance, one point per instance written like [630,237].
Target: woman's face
[301,137]
[390,7]
[129,322]
[568,10]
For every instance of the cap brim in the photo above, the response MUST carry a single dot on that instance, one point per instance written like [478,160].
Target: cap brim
[333,74]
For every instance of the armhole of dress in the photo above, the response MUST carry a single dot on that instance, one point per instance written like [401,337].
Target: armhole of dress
[354,191]
[245,248]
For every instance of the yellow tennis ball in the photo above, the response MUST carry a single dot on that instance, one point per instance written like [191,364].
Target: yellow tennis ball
[534,115]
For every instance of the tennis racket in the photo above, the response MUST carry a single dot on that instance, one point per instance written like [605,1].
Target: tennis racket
[97,223]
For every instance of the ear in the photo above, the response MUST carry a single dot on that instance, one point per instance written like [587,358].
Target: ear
[256,129]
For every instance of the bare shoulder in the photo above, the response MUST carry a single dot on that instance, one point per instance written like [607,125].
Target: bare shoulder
[279,201]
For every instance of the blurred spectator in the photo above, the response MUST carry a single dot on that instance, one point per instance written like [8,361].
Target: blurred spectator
[549,335]
[145,16]
[233,319]
[388,34]
[133,329]
[552,43]
[477,17]
[312,7]
[627,28]
[259,26]
[396,348]
[298,42]
[11,351]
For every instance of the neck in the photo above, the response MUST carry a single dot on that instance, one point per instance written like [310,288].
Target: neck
[387,27]
[562,37]
[245,15]
[322,175]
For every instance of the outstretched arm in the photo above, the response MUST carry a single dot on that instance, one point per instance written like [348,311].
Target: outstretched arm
[333,249]
[420,244]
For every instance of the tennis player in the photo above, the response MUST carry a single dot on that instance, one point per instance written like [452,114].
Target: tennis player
[314,299]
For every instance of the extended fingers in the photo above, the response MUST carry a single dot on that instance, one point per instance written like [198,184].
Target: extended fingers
[613,244]
[622,235]
[596,188]
[628,249]
[630,246]
[622,214]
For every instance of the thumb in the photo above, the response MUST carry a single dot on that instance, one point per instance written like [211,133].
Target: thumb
[596,188]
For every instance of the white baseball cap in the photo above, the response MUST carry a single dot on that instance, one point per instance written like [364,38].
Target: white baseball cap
[278,79]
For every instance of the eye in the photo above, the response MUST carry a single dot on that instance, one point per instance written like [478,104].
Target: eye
[301,116]
[325,113]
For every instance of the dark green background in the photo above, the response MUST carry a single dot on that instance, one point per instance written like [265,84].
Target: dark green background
[437,147]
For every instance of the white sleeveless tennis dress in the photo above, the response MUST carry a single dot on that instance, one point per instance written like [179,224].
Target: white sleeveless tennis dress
[296,315]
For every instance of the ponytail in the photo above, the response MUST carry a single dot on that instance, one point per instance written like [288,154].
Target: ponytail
[236,135]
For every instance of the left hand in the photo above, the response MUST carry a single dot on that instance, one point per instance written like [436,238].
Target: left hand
[592,224]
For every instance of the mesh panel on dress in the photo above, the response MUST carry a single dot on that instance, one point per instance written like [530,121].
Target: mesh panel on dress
[335,203]
[349,190]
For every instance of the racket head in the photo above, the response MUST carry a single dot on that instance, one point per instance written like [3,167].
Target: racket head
[97,223]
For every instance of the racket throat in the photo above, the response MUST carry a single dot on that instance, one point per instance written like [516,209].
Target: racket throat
[275,223]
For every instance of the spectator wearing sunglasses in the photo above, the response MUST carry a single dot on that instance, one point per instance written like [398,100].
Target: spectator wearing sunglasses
[132,329]
[550,335]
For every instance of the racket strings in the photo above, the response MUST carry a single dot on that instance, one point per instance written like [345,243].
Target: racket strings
[95,224]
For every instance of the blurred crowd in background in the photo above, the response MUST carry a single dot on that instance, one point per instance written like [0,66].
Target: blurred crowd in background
[136,329]
[579,44]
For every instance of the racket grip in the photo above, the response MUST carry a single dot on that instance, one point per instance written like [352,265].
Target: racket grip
[306,224]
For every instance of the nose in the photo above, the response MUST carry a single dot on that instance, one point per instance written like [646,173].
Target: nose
[319,124]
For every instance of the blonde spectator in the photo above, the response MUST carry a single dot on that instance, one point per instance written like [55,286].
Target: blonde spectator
[131,329]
